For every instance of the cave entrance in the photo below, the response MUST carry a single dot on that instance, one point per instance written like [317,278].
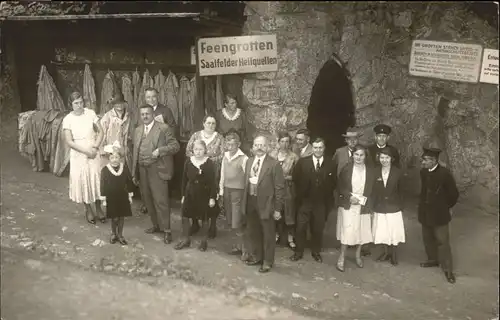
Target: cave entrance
[331,107]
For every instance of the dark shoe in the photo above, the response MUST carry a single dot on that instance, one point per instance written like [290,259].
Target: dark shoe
[103,220]
[429,264]
[253,262]
[235,252]
[113,239]
[144,210]
[122,241]
[91,221]
[450,277]
[317,257]
[195,227]
[296,257]
[182,244]
[265,269]
[203,245]
[168,238]
[394,259]
[383,257]
[152,230]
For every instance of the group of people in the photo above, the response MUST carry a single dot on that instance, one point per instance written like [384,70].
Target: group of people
[269,197]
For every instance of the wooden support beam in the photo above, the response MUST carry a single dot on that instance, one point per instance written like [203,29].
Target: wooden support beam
[192,15]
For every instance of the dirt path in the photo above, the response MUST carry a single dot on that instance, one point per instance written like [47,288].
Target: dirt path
[37,216]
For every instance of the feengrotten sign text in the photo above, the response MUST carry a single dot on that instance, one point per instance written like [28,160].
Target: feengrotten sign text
[445,60]
[232,55]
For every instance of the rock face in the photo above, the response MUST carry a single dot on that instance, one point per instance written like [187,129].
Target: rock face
[374,41]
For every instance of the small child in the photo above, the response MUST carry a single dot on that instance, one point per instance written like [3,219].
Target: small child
[232,182]
[116,191]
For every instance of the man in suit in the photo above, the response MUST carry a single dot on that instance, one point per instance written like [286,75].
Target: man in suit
[151,97]
[343,155]
[262,202]
[152,165]
[438,195]
[302,146]
[382,135]
[314,178]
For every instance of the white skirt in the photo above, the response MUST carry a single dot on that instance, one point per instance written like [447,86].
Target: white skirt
[353,228]
[388,228]
[84,177]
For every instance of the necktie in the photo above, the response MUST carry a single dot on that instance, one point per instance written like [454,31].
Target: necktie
[256,168]
[146,130]
[317,165]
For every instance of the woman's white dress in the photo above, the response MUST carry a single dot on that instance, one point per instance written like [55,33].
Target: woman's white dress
[84,173]
[354,228]
[388,228]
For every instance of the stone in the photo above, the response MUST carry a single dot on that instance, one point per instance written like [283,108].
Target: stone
[403,19]
[368,95]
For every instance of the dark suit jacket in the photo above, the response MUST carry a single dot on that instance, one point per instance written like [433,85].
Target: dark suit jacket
[304,178]
[439,193]
[387,199]
[373,155]
[166,144]
[341,159]
[270,187]
[344,187]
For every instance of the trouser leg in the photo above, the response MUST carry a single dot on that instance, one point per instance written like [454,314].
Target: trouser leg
[269,240]
[442,236]
[147,196]
[430,246]
[254,229]
[318,225]
[303,218]
[159,191]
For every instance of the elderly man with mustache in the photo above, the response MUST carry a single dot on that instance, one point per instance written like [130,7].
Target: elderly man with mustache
[262,202]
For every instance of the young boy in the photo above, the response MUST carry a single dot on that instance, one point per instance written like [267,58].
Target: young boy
[232,182]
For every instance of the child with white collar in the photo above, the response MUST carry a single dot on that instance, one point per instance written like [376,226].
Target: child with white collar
[116,191]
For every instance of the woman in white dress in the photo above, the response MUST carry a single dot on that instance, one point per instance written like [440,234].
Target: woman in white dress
[353,220]
[388,226]
[83,134]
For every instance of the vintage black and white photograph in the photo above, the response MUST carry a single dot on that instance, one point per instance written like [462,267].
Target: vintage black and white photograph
[249,160]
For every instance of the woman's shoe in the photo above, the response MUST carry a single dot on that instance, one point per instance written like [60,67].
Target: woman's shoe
[340,265]
[182,244]
[203,245]
[292,245]
[122,241]
[91,221]
[359,262]
[103,220]
[383,257]
[113,239]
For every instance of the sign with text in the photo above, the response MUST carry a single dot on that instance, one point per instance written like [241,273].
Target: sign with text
[489,69]
[445,60]
[233,55]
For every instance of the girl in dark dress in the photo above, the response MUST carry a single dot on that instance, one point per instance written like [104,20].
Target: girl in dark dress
[199,192]
[116,191]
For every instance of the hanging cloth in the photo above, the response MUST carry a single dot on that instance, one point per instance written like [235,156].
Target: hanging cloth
[185,108]
[108,90]
[89,89]
[159,82]
[219,93]
[171,90]
[147,82]
[48,97]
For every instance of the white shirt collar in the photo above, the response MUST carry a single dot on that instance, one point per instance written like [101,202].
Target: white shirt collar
[385,145]
[304,149]
[316,159]
[149,126]
[434,168]
[237,154]
[154,107]
[260,158]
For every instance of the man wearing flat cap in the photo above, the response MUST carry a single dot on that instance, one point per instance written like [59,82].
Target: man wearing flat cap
[382,135]
[438,195]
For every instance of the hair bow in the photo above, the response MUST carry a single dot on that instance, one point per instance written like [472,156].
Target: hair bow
[110,148]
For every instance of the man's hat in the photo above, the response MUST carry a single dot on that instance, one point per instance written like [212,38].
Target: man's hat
[431,152]
[351,133]
[382,128]
[117,98]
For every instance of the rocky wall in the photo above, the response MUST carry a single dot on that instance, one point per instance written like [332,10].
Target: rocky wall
[374,41]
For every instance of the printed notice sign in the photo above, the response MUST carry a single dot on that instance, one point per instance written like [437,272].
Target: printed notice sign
[489,69]
[445,60]
[232,55]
